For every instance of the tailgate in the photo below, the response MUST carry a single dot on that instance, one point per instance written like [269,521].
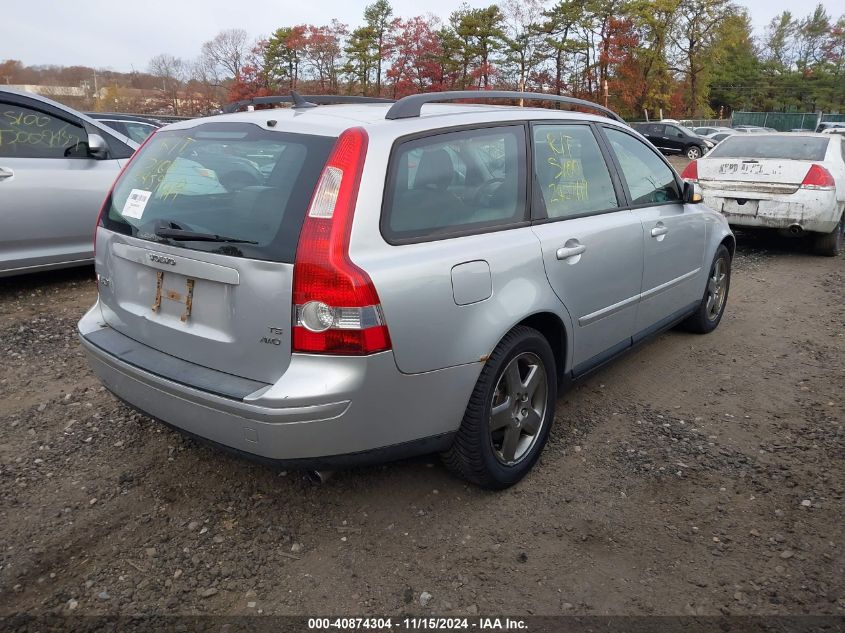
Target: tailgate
[228,314]
[196,244]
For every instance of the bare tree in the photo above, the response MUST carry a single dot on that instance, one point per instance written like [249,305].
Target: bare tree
[170,71]
[204,83]
[227,51]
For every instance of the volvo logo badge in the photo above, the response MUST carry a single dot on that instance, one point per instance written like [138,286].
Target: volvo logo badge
[161,259]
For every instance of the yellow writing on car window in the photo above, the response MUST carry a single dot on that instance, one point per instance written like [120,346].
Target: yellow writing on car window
[560,144]
[569,182]
[577,190]
[22,129]
[153,170]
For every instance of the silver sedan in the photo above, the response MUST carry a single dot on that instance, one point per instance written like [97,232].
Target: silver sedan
[56,167]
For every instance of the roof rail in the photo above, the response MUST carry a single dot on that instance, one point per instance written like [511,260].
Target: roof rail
[409,107]
[302,101]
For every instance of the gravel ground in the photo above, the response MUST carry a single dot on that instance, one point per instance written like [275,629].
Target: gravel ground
[697,475]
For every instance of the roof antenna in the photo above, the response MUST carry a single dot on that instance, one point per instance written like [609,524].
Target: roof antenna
[299,102]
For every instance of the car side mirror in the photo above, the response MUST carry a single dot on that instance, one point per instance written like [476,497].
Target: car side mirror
[690,194]
[97,147]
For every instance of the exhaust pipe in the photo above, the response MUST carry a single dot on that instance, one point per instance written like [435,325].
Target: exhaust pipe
[795,229]
[319,476]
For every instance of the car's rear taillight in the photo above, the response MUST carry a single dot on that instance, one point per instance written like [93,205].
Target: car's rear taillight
[337,308]
[690,172]
[107,200]
[818,178]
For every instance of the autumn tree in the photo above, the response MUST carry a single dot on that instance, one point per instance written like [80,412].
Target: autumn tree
[696,26]
[624,76]
[283,55]
[654,21]
[323,52]
[417,56]
[595,21]
[254,77]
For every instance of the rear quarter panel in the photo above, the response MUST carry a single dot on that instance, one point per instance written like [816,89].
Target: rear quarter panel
[428,329]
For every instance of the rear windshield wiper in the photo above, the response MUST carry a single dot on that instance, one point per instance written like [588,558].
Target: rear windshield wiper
[194,236]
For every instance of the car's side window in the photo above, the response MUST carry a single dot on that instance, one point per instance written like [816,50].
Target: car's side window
[571,176]
[117,126]
[655,130]
[649,179]
[456,182]
[138,132]
[29,133]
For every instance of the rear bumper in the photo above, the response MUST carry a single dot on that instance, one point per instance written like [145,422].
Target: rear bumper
[324,410]
[812,210]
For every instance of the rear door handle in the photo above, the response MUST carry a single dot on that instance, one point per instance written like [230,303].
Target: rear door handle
[570,251]
[659,230]
[6,173]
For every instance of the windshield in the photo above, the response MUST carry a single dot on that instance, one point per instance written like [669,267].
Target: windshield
[778,147]
[236,181]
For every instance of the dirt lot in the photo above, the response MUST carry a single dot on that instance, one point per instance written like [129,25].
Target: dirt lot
[697,475]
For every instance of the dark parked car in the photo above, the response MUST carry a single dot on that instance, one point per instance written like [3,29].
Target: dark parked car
[675,139]
[137,128]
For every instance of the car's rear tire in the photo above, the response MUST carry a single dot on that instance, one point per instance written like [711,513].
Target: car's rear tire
[694,152]
[829,244]
[709,312]
[509,414]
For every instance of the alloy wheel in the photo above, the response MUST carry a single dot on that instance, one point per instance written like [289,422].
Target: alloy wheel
[717,287]
[518,409]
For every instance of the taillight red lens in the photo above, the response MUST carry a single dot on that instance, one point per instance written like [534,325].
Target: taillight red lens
[107,200]
[691,172]
[337,308]
[818,176]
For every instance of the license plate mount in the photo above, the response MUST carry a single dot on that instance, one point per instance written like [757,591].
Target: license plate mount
[172,295]
[740,206]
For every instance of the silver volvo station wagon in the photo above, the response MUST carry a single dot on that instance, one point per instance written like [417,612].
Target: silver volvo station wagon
[329,285]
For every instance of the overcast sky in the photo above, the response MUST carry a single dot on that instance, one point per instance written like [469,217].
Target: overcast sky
[125,35]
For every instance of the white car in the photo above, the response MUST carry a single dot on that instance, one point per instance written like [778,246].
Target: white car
[709,131]
[791,182]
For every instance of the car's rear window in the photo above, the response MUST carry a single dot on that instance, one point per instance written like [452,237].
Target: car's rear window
[234,180]
[777,147]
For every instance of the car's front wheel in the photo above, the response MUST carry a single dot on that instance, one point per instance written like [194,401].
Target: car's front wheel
[510,412]
[829,244]
[694,152]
